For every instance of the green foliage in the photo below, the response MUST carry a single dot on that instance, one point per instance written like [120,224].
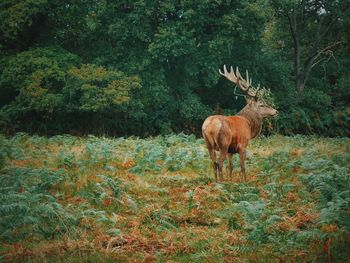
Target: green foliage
[18,21]
[304,121]
[32,199]
[27,206]
[161,218]
[98,192]
[316,101]
[32,82]
[122,197]
[77,66]
[51,89]
[342,90]
[96,89]
[331,184]
[170,153]
[34,68]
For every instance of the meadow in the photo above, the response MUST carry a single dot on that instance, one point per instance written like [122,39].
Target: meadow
[98,199]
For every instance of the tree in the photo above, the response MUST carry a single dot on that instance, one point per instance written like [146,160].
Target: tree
[315,28]
[69,60]
[21,22]
[50,86]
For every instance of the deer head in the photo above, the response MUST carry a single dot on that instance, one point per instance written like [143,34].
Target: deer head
[251,93]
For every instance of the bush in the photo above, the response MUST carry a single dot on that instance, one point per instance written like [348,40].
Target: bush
[305,121]
[47,91]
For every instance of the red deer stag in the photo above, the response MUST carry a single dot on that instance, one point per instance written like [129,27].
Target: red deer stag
[231,134]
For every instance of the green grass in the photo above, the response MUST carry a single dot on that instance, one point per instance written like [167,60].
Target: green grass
[73,199]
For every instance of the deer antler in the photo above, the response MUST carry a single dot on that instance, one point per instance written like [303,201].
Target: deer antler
[244,84]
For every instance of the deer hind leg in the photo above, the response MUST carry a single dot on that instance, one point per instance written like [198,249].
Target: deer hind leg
[223,153]
[214,162]
[229,160]
[242,157]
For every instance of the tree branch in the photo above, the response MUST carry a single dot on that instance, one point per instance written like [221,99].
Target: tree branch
[325,51]
[311,61]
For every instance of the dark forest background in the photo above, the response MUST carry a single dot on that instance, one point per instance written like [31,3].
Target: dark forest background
[151,67]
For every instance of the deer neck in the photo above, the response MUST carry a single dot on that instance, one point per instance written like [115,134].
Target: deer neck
[254,119]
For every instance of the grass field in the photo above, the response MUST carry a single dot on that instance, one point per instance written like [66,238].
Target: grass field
[72,199]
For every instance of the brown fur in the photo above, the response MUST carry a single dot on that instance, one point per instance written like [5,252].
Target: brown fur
[231,134]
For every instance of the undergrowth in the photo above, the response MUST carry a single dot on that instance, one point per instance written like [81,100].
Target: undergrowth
[97,199]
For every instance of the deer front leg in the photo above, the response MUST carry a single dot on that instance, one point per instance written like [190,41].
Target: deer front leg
[242,157]
[216,170]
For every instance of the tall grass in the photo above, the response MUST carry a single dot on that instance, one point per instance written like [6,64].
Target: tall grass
[118,199]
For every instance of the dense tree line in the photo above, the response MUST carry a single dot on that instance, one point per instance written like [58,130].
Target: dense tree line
[149,67]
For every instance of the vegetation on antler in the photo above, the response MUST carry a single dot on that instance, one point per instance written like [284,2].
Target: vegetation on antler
[264,95]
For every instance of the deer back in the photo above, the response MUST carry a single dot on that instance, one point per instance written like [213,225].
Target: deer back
[226,132]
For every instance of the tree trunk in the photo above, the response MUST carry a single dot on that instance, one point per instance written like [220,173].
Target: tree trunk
[300,85]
